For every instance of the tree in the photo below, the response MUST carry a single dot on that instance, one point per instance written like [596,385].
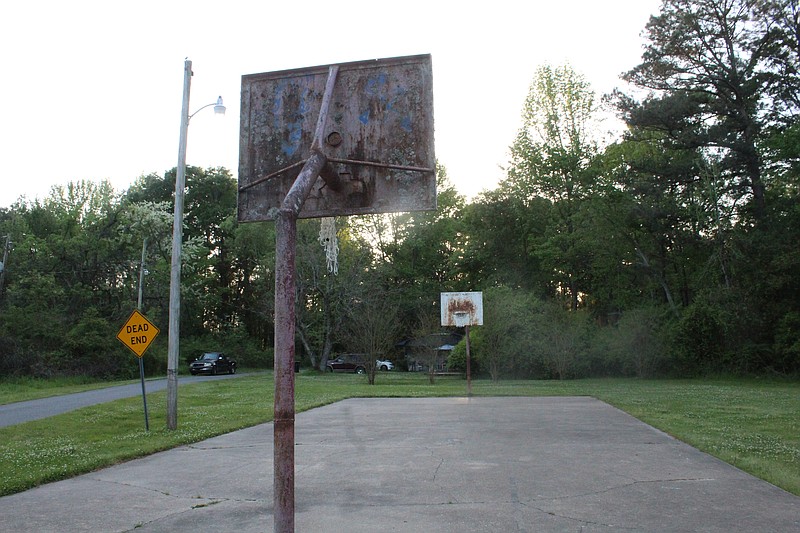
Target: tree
[722,112]
[70,277]
[552,159]
[209,275]
[781,18]
[253,250]
[712,67]
[210,212]
[420,252]
[324,299]
[502,232]
[427,333]
[504,339]
[372,328]
[561,339]
[149,224]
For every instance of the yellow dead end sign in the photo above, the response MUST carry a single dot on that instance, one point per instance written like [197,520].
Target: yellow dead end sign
[137,333]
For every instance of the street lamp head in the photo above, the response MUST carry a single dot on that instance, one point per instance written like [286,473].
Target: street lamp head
[219,109]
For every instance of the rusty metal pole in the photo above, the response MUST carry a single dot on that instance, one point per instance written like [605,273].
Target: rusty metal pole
[469,373]
[283,483]
[285,250]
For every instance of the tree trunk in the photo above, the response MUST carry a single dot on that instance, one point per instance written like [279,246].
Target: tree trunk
[301,332]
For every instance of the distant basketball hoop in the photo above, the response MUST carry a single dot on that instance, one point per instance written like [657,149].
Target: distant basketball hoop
[461,309]
[461,319]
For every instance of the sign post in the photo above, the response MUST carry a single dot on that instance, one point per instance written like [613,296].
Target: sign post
[137,333]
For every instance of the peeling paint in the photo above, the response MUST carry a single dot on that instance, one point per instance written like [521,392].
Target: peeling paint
[383,113]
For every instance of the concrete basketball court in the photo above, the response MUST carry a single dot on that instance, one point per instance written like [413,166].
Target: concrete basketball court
[434,465]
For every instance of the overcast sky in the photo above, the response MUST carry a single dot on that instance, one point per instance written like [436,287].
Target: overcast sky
[92,90]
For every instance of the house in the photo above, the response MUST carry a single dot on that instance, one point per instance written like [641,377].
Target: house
[429,351]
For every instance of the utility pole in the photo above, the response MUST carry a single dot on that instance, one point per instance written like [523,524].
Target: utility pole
[173,345]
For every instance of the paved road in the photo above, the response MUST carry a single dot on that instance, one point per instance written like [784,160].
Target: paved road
[19,412]
[438,465]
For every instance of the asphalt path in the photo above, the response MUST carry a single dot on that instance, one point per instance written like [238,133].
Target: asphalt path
[19,412]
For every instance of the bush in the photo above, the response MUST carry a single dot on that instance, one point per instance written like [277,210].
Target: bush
[155,358]
[563,339]
[457,360]
[91,348]
[638,343]
[787,344]
[12,360]
[707,337]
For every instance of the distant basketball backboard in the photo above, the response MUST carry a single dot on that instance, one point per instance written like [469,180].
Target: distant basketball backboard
[378,138]
[461,309]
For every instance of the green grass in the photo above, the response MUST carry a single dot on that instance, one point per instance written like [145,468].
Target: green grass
[754,425]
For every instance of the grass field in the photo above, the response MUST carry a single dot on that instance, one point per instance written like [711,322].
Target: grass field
[754,425]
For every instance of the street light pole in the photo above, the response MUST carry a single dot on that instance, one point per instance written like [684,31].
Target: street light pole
[175,266]
[173,345]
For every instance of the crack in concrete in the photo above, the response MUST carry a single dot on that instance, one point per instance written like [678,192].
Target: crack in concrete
[622,486]
[212,448]
[436,471]
[583,522]
[203,502]
[210,500]
[167,516]
[610,489]
[149,489]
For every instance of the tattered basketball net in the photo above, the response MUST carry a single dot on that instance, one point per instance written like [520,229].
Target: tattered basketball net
[328,240]
[461,318]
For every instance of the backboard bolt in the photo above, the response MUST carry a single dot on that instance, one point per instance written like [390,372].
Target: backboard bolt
[334,138]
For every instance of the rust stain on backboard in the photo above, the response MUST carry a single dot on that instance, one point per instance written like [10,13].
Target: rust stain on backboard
[462,308]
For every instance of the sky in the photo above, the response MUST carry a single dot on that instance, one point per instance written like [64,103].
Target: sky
[92,90]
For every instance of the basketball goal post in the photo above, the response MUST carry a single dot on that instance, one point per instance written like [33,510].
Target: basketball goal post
[333,140]
[462,310]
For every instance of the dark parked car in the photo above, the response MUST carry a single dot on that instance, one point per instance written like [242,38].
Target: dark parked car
[347,363]
[213,363]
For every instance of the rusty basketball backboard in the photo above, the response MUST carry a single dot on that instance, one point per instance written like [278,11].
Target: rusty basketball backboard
[461,309]
[378,138]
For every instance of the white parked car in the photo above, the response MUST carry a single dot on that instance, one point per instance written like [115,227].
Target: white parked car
[384,364]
